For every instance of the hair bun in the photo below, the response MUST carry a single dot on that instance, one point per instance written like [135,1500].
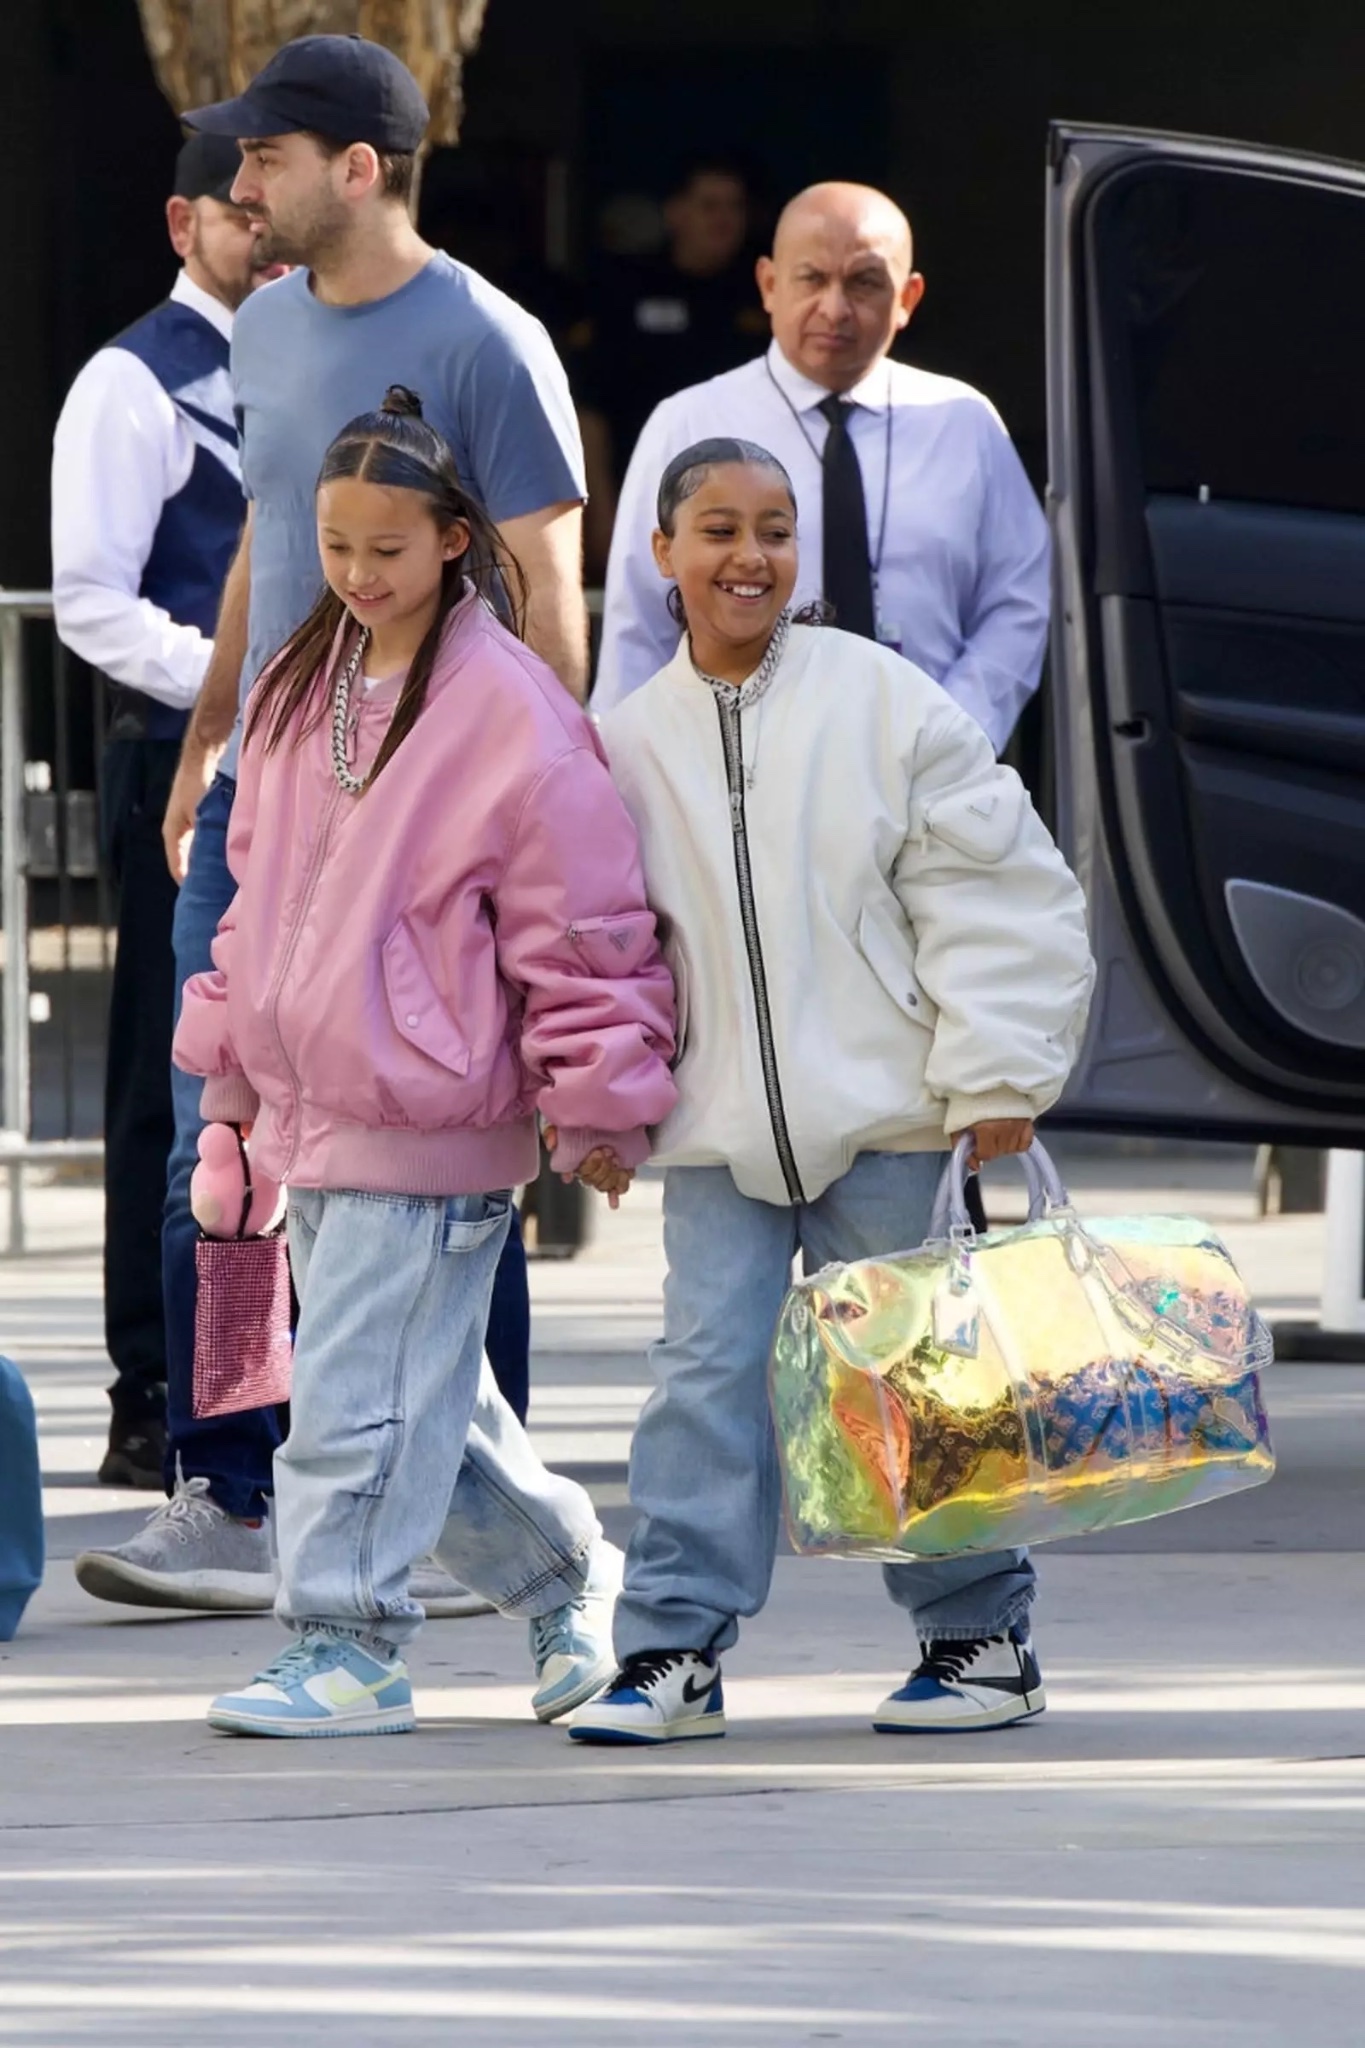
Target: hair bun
[402,403]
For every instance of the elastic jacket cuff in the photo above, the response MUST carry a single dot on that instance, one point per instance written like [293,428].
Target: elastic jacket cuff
[964,1112]
[229,1099]
[631,1147]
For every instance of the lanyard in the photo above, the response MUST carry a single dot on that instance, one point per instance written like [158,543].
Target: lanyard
[817,453]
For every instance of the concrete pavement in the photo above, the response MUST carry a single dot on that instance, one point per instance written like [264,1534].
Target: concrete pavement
[1176,1846]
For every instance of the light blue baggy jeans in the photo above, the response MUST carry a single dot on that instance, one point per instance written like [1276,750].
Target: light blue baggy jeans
[391,1392]
[703,1466]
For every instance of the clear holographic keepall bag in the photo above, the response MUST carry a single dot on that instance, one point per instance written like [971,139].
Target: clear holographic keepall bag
[1012,1387]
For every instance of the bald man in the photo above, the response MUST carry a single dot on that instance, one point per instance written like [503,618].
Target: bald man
[916,520]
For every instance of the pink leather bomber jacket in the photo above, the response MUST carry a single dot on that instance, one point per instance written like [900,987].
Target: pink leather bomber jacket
[404,977]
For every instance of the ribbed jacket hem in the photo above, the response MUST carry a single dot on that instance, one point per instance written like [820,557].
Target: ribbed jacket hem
[397,1162]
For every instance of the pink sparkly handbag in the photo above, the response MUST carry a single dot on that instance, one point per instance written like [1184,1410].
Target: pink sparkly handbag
[243,1352]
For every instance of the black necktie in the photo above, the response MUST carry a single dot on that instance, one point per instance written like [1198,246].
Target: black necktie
[848,572]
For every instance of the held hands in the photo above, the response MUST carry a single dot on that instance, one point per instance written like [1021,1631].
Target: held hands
[997,1137]
[601,1170]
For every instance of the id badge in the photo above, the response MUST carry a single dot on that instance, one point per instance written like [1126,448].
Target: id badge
[889,633]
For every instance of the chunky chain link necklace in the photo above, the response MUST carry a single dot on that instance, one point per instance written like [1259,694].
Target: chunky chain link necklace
[737,696]
[341,717]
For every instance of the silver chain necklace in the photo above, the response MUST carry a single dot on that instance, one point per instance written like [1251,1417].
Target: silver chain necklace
[739,696]
[341,717]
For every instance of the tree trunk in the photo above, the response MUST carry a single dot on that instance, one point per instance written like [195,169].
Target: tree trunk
[204,50]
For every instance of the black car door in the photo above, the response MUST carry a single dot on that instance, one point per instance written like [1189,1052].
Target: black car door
[1206,364]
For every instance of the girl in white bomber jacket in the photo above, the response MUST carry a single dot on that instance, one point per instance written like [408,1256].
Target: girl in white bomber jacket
[876,947]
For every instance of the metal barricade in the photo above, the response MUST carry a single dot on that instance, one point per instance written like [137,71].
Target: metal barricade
[47,832]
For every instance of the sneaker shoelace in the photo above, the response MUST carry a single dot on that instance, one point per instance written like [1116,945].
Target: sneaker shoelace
[644,1671]
[947,1661]
[190,1511]
[300,1660]
[552,1633]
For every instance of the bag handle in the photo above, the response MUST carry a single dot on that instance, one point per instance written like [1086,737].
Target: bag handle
[248,1191]
[1046,1189]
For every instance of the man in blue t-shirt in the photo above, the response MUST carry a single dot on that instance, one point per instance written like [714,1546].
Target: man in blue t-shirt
[328,132]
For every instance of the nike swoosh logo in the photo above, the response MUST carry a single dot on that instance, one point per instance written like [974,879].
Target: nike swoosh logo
[352,1698]
[692,1693]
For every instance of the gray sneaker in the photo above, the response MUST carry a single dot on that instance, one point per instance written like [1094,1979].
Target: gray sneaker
[444,1598]
[188,1553]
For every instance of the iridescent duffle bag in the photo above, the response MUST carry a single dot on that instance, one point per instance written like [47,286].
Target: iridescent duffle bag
[1016,1386]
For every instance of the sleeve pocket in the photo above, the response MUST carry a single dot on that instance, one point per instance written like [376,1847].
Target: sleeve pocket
[418,1013]
[613,946]
[982,823]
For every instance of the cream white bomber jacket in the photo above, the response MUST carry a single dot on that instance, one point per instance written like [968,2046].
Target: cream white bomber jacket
[914,955]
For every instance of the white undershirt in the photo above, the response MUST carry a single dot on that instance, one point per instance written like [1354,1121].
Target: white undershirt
[121,449]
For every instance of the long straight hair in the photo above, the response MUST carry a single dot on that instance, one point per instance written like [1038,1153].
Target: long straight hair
[394,447]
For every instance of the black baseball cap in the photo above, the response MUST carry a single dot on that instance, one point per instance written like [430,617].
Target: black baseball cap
[343,87]
[206,167]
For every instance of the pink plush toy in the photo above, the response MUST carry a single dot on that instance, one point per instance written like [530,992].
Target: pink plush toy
[217,1187]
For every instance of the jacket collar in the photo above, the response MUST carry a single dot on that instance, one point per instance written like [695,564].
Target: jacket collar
[679,673]
[460,626]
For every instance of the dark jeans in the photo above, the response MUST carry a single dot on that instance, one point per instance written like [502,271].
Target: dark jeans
[138,1123]
[508,1342]
[234,1452]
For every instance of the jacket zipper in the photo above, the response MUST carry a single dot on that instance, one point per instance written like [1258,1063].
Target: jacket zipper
[276,989]
[732,741]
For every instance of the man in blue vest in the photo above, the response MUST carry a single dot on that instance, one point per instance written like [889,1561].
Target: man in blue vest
[147,508]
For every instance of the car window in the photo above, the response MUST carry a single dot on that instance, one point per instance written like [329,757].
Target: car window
[1238,304]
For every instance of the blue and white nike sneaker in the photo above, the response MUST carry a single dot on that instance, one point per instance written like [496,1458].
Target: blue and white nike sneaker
[571,1646]
[320,1685]
[660,1696]
[989,1682]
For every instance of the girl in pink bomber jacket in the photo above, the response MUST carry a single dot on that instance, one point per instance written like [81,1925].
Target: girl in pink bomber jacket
[440,928]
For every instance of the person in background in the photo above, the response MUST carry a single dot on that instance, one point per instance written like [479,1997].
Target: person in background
[329,132]
[660,321]
[146,512]
[923,532]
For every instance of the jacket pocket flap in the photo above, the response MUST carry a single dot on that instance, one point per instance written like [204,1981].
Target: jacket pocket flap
[418,1013]
[613,947]
[885,945]
[983,823]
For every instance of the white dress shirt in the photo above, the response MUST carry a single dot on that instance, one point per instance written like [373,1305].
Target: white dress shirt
[121,449]
[957,539]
